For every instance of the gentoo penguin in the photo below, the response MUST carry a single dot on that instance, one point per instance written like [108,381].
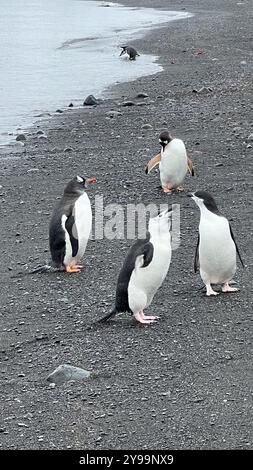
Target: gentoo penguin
[216,248]
[173,163]
[130,51]
[70,226]
[144,270]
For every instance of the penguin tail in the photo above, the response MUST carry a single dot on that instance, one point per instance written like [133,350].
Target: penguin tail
[109,315]
[39,269]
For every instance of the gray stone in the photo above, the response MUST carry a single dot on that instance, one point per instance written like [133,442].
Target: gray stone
[142,95]
[146,126]
[40,132]
[203,90]
[68,149]
[21,138]
[66,372]
[127,103]
[42,136]
[90,101]
[113,114]
[250,138]
[59,111]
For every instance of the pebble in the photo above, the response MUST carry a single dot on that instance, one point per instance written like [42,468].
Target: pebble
[40,132]
[21,138]
[142,95]
[202,90]
[90,101]
[127,103]
[66,372]
[71,105]
[68,149]
[146,126]
[250,138]
[59,111]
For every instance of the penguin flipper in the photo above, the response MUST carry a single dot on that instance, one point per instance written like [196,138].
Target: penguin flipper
[71,229]
[190,166]
[236,246]
[152,163]
[148,252]
[196,258]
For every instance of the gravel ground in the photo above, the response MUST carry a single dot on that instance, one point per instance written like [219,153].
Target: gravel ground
[185,382]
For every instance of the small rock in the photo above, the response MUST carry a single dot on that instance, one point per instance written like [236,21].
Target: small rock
[243,62]
[21,138]
[59,111]
[142,95]
[71,105]
[146,126]
[203,90]
[249,146]
[33,170]
[66,372]
[127,103]
[68,149]
[40,132]
[90,101]
[250,138]
[113,114]
[42,136]
[219,164]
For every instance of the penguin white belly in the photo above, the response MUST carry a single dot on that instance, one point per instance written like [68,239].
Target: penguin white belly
[173,166]
[83,222]
[81,230]
[217,251]
[144,282]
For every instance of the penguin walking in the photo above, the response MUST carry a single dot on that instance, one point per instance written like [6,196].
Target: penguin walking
[130,51]
[173,163]
[70,226]
[144,270]
[216,247]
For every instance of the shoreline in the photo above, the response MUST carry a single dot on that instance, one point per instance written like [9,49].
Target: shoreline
[186,382]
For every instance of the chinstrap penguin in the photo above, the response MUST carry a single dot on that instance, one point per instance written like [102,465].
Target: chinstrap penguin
[70,226]
[130,51]
[173,163]
[144,270]
[216,247]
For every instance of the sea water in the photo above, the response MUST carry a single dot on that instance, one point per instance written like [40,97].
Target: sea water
[53,52]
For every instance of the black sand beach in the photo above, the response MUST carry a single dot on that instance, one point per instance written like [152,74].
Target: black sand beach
[185,382]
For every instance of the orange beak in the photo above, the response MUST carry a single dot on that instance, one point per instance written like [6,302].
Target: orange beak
[91,180]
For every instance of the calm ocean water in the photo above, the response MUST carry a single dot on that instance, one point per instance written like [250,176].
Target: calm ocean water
[53,52]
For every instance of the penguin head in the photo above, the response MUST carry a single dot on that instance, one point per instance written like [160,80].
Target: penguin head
[160,225]
[78,185]
[164,139]
[204,199]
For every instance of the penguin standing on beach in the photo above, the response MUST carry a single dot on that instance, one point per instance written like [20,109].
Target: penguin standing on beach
[216,248]
[70,226]
[173,163]
[144,270]
[130,51]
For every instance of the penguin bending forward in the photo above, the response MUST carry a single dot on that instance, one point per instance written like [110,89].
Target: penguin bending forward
[144,270]
[70,226]
[130,51]
[216,247]
[173,163]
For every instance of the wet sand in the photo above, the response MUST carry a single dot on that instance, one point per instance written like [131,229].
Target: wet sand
[185,382]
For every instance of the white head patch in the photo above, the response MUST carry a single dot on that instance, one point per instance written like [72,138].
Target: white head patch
[79,179]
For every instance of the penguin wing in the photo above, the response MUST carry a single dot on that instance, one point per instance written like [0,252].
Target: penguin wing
[152,163]
[71,229]
[190,166]
[237,249]
[196,258]
[148,251]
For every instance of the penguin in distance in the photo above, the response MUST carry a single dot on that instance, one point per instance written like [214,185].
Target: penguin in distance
[216,247]
[70,226]
[144,270]
[173,163]
[130,51]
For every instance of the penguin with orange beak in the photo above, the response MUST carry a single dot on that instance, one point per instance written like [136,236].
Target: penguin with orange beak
[173,163]
[70,226]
